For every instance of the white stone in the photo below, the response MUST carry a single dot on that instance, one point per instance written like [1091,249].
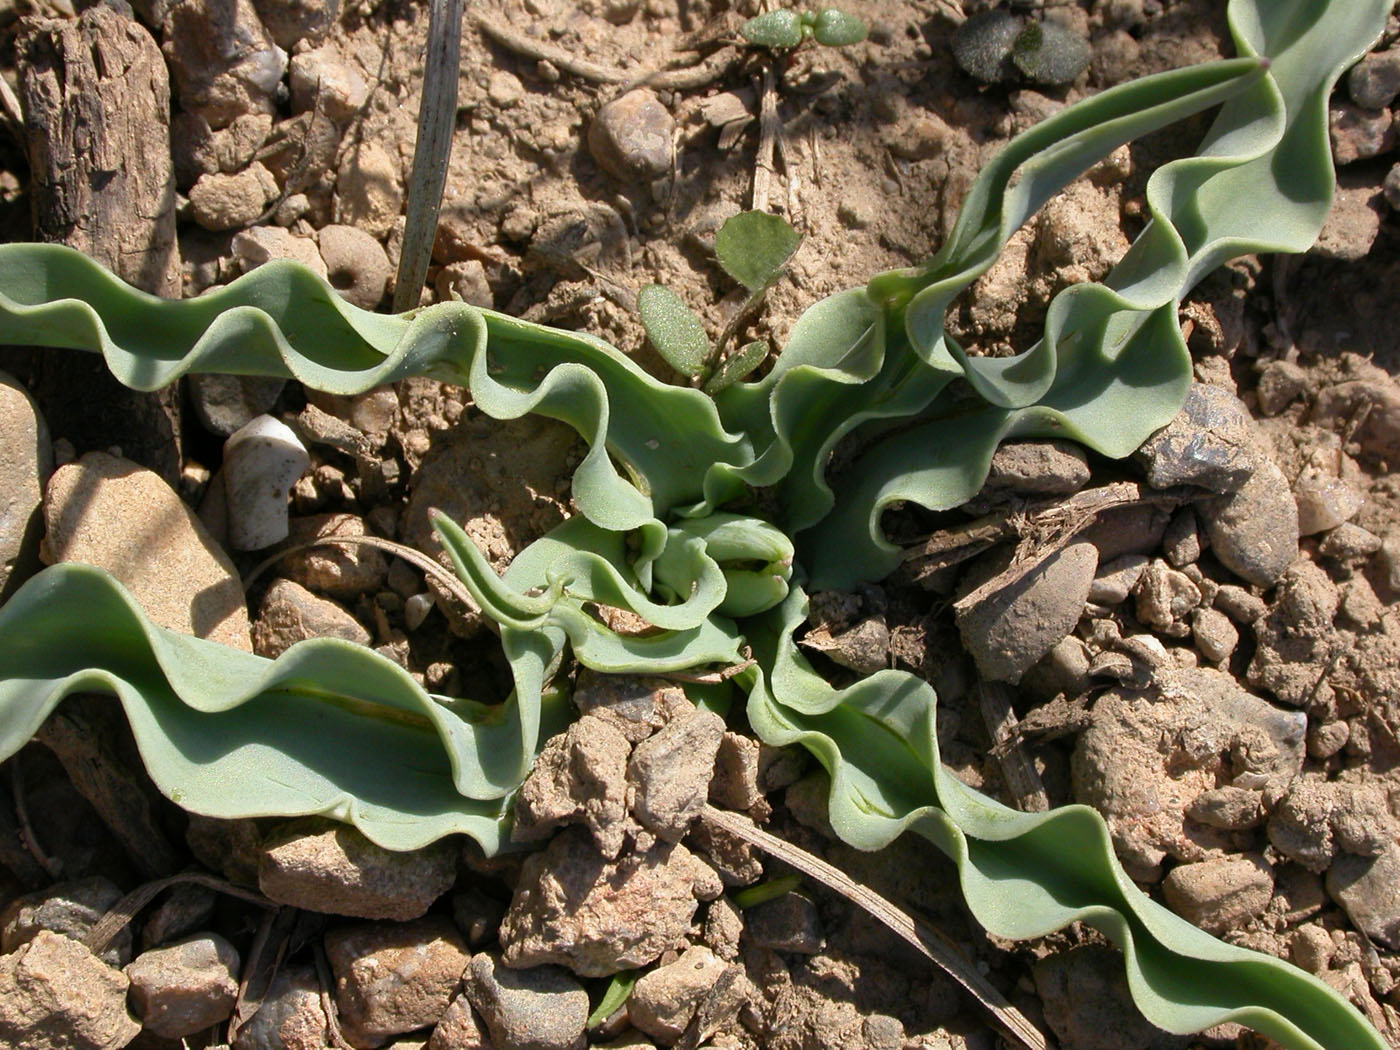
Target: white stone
[262,461]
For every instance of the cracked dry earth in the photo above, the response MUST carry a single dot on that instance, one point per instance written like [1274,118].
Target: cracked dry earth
[1200,642]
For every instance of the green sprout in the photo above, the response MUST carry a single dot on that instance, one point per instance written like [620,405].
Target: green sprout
[785,29]
[711,517]
[995,45]
[753,248]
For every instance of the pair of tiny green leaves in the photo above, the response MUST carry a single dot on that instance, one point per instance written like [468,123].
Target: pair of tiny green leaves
[786,29]
[995,45]
[754,248]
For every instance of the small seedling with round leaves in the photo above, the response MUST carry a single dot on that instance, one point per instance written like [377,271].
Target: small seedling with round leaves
[785,29]
[995,46]
[754,248]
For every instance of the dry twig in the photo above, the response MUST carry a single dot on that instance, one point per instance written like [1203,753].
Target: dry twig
[1017,768]
[1046,523]
[933,945]
[121,913]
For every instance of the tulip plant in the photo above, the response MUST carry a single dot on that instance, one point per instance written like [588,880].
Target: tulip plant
[668,524]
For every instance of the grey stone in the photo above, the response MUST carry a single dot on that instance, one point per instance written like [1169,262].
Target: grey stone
[182,909]
[1279,383]
[327,867]
[293,22]
[1117,579]
[1307,598]
[26,465]
[185,987]
[1143,789]
[577,908]
[1374,82]
[1211,443]
[789,923]
[68,908]
[57,995]
[1349,544]
[291,1016]
[541,1008]
[1311,948]
[1325,739]
[1359,133]
[1181,543]
[1222,893]
[724,926]
[735,782]
[737,862]
[630,138]
[1008,630]
[290,613]
[338,570]
[1088,1006]
[356,264]
[1035,468]
[1353,222]
[229,202]
[323,77]
[1316,819]
[197,149]
[114,514]
[1239,604]
[460,1029]
[1368,409]
[222,61]
[226,403]
[1165,596]
[1390,187]
[392,978]
[1135,529]
[1368,889]
[579,777]
[228,846]
[1231,808]
[1215,636]
[1254,532]
[863,648]
[665,999]
[670,773]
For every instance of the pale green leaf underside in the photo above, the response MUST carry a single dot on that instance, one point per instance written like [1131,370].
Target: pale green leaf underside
[230,734]
[674,329]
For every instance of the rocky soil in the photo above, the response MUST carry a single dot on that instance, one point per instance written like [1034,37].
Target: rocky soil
[1199,642]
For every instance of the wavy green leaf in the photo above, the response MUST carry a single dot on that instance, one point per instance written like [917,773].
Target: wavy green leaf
[226,733]
[1023,874]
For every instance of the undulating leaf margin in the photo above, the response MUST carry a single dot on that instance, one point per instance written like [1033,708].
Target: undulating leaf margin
[679,457]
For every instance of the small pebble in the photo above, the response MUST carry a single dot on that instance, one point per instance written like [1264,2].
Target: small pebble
[416,609]
[1215,636]
[1117,579]
[1220,894]
[1348,543]
[262,461]
[186,987]
[1324,502]
[631,137]
[1279,383]
[540,1008]
[1374,82]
